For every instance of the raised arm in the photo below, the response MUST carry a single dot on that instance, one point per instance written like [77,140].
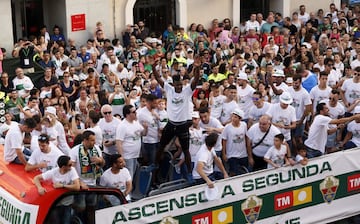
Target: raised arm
[157,75]
[196,72]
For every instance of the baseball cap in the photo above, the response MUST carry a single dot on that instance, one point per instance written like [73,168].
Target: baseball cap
[238,112]
[195,114]
[286,98]
[242,76]
[51,110]
[278,73]
[289,80]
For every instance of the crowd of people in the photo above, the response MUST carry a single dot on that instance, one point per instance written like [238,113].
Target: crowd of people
[235,97]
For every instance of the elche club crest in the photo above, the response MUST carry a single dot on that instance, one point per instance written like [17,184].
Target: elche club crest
[328,188]
[169,220]
[251,208]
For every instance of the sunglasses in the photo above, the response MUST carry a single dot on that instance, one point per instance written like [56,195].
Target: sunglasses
[133,112]
[108,112]
[255,99]
[42,138]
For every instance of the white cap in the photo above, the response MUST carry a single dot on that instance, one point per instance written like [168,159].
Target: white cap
[289,80]
[243,76]
[357,110]
[51,110]
[239,112]
[307,45]
[195,114]
[286,98]
[278,73]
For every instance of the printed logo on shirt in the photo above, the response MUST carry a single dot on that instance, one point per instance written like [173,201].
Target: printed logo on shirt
[177,101]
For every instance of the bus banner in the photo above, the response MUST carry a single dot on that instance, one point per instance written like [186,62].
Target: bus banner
[325,190]
[14,211]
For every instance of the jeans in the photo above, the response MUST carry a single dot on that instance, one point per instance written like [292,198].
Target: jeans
[350,145]
[149,152]
[235,165]
[27,154]
[312,153]
[131,165]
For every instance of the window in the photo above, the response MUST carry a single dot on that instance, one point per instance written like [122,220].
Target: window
[80,207]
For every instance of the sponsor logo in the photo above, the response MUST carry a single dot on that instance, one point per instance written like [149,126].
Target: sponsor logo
[353,182]
[293,198]
[251,208]
[219,216]
[169,220]
[328,188]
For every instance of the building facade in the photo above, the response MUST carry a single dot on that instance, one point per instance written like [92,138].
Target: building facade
[78,18]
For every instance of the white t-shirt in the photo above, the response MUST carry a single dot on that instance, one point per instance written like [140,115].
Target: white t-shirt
[197,139]
[144,115]
[207,157]
[228,108]
[318,133]
[67,178]
[282,116]
[317,95]
[217,106]
[255,135]
[304,18]
[118,181]
[56,177]
[13,140]
[245,99]
[214,123]
[235,140]
[299,158]
[98,134]
[276,155]
[276,98]
[255,113]
[109,132]
[335,112]
[354,128]
[130,135]
[50,158]
[352,90]
[301,99]
[252,24]
[333,77]
[75,157]
[355,63]
[178,104]
[164,118]
[62,143]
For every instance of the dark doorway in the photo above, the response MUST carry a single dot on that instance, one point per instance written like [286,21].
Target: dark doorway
[253,6]
[28,13]
[156,14]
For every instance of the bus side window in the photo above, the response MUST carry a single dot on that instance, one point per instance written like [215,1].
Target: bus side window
[80,207]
